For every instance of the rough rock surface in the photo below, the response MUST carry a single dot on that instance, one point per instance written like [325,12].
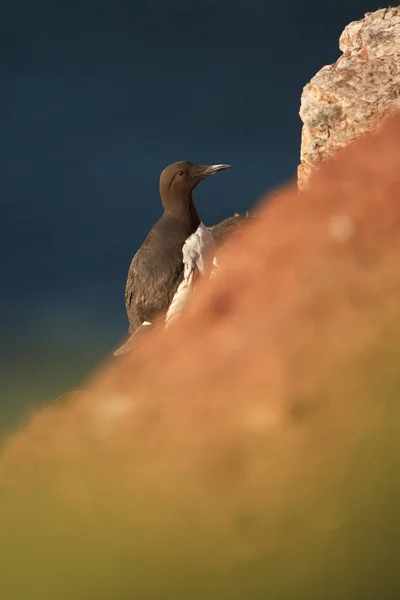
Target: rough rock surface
[350,97]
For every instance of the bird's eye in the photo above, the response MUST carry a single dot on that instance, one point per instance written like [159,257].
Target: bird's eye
[180,173]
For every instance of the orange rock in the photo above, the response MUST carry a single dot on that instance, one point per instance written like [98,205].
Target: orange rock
[251,450]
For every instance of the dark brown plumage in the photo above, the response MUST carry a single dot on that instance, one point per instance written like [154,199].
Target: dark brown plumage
[156,269]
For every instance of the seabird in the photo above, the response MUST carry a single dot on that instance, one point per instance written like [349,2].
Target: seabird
[174,253]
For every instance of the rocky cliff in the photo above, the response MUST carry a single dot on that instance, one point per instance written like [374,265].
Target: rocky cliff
[251,450]
[345,100]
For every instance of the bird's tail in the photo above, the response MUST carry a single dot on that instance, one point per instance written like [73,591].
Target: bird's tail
[132,339]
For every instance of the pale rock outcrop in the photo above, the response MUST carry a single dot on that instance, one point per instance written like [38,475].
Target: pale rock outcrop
[348,98]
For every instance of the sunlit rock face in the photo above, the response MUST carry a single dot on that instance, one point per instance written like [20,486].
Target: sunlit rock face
[345,100]
[251,450]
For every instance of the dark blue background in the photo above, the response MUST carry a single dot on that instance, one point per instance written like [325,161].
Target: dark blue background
[96,98]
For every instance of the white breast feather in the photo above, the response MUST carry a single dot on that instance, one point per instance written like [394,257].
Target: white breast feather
[197,252]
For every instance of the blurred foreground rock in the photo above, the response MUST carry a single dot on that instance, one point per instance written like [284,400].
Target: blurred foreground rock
[350,97]
[250,451]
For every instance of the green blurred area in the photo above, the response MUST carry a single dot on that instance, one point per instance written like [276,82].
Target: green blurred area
[56,357]
[318,520]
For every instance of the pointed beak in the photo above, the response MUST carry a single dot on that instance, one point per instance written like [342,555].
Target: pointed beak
[211,170]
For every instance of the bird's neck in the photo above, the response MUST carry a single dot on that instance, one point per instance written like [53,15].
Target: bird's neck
[183,209]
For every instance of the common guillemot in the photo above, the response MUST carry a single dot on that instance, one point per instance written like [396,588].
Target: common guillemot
[176,250]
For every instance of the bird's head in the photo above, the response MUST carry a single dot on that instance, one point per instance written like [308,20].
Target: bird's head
[180,179]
